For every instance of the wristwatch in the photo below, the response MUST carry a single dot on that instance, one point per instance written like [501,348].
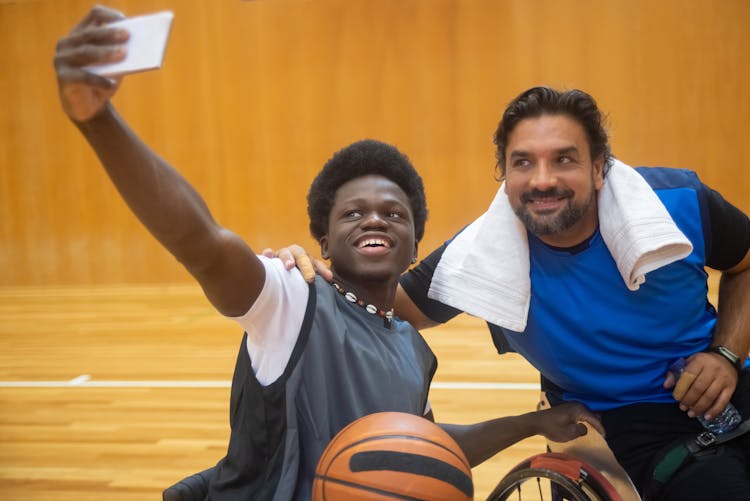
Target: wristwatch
[725,352]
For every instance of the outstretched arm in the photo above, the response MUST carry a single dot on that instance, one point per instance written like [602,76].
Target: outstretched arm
[561,423]
[229,272]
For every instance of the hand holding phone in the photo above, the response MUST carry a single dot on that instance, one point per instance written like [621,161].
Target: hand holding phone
[145,47]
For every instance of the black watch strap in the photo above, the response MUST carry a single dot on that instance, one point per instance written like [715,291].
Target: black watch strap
[725,352]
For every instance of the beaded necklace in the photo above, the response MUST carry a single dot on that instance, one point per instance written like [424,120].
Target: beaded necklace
[369,308]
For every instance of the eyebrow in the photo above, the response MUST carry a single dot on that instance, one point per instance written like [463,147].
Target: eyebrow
[561,151]
[518,153]
[361,199]
[359,202]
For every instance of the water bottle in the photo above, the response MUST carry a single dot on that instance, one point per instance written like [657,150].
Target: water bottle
[725,422]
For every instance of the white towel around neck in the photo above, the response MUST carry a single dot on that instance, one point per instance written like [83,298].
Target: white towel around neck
[484,271]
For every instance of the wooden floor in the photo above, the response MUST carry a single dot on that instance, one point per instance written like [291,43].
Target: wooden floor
[114,393]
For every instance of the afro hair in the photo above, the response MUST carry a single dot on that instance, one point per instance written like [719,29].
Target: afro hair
[362,158]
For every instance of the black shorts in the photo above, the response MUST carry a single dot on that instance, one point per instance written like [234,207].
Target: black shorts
[637,433]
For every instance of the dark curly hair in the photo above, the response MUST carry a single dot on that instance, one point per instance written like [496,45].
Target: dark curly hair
[539,101]
[361,159]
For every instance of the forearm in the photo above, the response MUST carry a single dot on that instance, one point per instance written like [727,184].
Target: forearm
[156,193]
[483,440]
[733,323]
[561,423]
[407,310]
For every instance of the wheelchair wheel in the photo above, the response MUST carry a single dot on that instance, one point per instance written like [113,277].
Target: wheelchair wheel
[554,477]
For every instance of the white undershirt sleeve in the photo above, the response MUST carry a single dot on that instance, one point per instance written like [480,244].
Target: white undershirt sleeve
[274,321]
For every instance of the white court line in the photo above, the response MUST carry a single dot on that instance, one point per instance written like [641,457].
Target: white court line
[485,386]
[84,381]
[115,384]
[80,379]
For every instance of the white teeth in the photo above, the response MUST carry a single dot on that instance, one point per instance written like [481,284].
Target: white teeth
[374,241]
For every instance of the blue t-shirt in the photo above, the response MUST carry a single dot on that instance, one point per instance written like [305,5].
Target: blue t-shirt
[592,337]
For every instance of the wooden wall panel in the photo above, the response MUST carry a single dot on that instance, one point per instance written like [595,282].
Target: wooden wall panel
[255,96]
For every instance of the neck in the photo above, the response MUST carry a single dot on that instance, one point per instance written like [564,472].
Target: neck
[575,248]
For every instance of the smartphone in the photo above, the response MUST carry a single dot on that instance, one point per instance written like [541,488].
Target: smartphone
[145,48]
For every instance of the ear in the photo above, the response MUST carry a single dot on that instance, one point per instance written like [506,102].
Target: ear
[416,252]
[599,172]
[323,246]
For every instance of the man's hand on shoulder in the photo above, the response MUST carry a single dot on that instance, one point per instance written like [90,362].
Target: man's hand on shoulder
[296,255]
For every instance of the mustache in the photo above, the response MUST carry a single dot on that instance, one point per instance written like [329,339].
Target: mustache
[551,193]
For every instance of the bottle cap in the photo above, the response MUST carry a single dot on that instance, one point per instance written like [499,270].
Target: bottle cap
[677,366]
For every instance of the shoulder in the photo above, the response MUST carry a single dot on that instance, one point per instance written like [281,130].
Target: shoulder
[682,192]
[726,229]
[282,288]
[669,177]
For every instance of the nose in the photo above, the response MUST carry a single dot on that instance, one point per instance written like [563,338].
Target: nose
[543,177]
[374,219]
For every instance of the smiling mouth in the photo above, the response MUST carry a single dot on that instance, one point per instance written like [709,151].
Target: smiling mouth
[545,204]
[545,201]
[374,243]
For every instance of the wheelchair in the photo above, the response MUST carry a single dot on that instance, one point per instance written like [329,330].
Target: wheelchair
[583,469]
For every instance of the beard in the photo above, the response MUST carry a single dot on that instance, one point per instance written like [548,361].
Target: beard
[550,224]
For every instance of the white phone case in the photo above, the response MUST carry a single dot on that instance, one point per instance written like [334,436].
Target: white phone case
[145,48]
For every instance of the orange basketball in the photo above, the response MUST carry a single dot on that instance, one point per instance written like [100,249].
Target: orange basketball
[392,455]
